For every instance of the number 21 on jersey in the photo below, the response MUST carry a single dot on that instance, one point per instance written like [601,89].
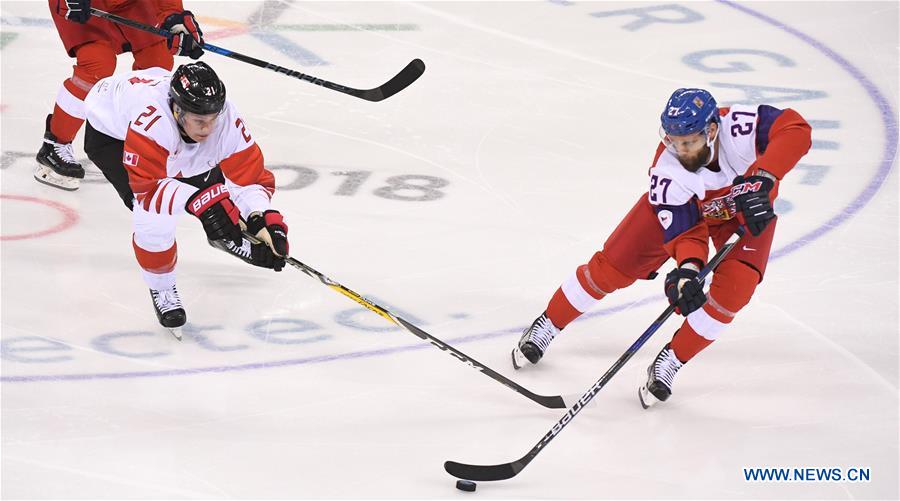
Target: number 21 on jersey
[149,112]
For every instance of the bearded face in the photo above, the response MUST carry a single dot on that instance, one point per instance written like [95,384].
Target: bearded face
[692,161]
[693,150]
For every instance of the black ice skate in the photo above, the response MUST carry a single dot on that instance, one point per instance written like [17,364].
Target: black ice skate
[56,163]
[169,310]
[534,342]
[660,376]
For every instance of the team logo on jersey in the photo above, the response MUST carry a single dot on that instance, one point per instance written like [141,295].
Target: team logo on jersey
[665,218]
[722,208]
[130,158]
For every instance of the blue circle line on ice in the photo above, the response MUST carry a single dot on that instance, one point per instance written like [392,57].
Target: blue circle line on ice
[888,118]
[890,149]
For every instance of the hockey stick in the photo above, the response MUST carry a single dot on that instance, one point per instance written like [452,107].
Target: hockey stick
[401,80]
[508,470]
[551,402]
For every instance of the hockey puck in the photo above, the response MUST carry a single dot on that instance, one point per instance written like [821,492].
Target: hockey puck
[465,485]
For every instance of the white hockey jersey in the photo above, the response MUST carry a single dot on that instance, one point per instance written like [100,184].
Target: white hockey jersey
[134,107]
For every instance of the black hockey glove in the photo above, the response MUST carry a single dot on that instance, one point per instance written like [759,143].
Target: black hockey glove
[256,254]
[186,38]
[751,199]
[217,212]
[78,11]
[270,228]
[684,290]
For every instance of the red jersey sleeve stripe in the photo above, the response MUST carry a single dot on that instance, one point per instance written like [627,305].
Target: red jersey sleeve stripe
[146,197]
[172,200]
[159,198]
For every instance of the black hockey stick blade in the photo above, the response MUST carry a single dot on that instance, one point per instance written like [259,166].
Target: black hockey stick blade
[400,81]
[509,470]
[483,473]
[550,402]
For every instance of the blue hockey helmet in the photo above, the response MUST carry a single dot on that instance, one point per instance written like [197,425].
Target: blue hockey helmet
[689,111]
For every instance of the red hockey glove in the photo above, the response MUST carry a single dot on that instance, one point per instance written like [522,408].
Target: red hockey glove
[214,208]
[186,38]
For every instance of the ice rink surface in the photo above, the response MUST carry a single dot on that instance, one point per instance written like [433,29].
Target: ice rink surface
[461,203]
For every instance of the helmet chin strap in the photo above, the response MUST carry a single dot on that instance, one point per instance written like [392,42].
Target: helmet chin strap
[178,113]
[711,142]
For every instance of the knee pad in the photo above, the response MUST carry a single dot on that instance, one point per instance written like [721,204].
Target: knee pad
[153,56]
[599,277]
[732,287]
[96,60]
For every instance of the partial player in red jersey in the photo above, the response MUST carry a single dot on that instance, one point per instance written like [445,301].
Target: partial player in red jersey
[95,42]
[715,169]
[171,143]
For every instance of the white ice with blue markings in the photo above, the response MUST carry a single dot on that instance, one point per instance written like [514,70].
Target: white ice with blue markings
[461,203]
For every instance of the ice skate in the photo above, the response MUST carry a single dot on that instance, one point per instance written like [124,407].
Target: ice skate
[56,163]
[169,310]
[660,376]
[534,342]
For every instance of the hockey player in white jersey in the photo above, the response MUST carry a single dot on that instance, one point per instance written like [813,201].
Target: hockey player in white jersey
[172,143]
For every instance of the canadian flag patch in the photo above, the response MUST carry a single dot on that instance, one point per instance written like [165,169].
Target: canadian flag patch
[665,218]
[130,158]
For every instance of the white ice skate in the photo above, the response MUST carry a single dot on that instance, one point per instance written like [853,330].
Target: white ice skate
[660,376]
[534,342]
[169,310]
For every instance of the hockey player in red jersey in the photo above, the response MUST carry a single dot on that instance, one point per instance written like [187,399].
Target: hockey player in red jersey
[95,42]
[715,169]
[171,143]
